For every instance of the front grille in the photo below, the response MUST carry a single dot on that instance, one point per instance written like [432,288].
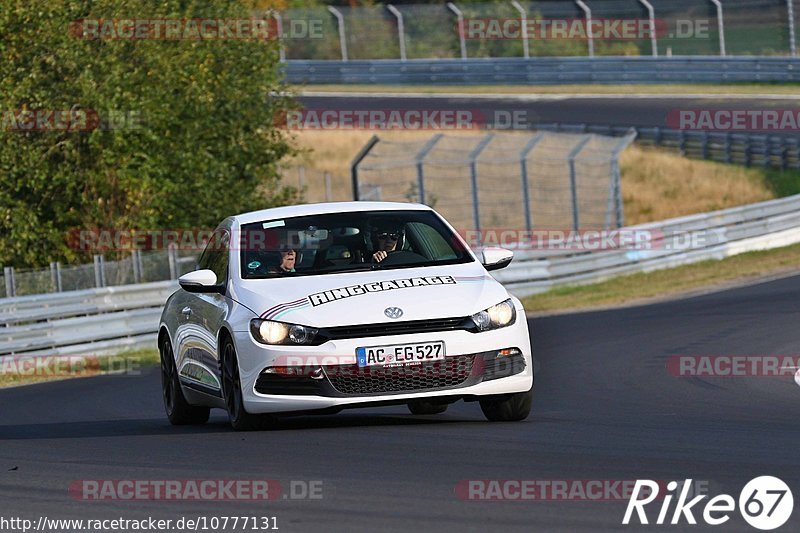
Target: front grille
[397,328]
[450,372]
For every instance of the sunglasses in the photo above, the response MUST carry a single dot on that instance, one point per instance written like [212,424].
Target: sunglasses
[392,236]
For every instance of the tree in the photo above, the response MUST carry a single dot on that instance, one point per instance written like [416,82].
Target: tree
[191,137]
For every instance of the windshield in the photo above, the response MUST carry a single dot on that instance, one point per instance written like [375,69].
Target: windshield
[346,242]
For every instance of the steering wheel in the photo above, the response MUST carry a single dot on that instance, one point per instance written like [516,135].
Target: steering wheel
[399,257]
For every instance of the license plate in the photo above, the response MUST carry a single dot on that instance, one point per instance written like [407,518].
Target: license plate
[400,354]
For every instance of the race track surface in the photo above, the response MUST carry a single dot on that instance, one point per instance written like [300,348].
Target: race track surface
[640,111]
[605,409]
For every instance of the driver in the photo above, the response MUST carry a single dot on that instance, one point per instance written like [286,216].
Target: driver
[386,241]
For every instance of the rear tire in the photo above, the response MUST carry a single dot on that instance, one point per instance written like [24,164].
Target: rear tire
[508,407]
[424,407]
[240,419]
[179,411]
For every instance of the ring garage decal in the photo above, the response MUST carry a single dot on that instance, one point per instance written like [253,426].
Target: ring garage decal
[378,286]
[341,293]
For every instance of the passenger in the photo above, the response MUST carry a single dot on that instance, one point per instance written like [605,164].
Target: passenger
[287,264]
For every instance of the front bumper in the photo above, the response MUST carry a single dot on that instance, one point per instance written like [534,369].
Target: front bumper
[471,368]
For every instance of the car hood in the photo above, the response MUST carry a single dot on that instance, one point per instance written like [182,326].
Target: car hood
[363,297]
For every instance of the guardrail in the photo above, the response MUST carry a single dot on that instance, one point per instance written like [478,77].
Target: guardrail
[546,70]
[109,319]
[82,322]
[721,234]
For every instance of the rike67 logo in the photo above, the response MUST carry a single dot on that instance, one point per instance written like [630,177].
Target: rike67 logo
[765,503]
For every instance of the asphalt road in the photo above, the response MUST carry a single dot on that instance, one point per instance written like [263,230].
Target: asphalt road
[605,409]
[497,110]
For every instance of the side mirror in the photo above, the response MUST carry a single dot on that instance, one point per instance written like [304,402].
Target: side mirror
[199,281]
[496,258]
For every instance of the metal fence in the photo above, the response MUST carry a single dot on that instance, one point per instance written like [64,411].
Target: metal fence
[500,180]
[138,267]
[530,29]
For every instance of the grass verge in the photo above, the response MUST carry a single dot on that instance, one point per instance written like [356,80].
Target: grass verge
[670,282]
[26,369]
[789,89]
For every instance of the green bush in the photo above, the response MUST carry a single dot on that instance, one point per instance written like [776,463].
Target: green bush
[198,143]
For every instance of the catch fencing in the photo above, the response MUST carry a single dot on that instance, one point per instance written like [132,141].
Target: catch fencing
[501,180]
[554,28]
[138,267]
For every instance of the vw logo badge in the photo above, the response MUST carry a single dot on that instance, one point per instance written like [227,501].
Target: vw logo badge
[393,312]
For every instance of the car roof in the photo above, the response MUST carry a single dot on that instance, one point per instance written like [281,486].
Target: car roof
[324,208]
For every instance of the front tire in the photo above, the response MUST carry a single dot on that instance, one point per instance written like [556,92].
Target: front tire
[508,407]
[179,411]
[240,419]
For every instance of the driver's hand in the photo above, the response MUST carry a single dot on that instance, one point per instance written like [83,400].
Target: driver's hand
[379,256]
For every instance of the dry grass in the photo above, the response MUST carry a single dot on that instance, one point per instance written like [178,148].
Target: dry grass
[656,184]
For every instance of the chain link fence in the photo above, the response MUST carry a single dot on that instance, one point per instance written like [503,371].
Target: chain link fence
[500,180]
[138,267]
[554,28]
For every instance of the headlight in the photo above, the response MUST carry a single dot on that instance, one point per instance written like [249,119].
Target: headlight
[497,316]
[271,332]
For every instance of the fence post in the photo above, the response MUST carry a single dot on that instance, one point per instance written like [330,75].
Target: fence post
[473,174]
[301,175]
[54,276]
[589,37]
[342,32]
[137,274]
[420,157]
[523,165]
[573,181]
[728,155]
[279,38]
[98,271]
[792,40]
[401,32]
[357,161]
[652,15]
[523,15]
[615,181]
[328,193]
[461,31]
[720,27]
[172,258]
[11,286]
